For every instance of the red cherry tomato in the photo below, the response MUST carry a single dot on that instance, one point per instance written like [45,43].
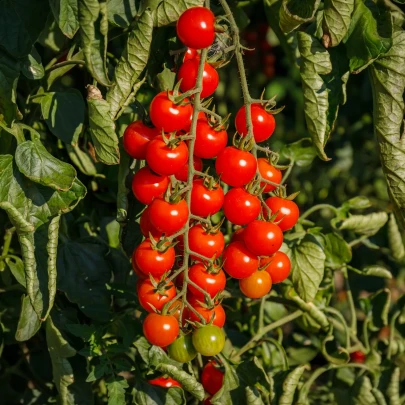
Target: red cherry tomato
[257,285]
[149,297]
[239,262]
[263,122]
[188,75]
[166,115]
[209,141]
[207,244]
[147,227]
[190,54]
[147,185]
[236,167]
[237,236]
[212,283]
[358,357]
[204,201]
[182,174]
[139,273]
[201,116]
[288,212]
[270,173]
[241,207]
[218,313]
[278,266]
[160,330]
[263,238]
[165,382]
[166,160]
[136,138]
[150,261]
[167,217]
[212,378]
[196,27]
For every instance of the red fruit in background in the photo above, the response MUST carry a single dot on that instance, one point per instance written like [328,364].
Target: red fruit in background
[278,266]
[236,167]
[165,382]
[264,123]
[238,261]
[160,330]
[168,217]
[147,185]
[166,115]
[241,207]
[209,141]
[147,227]
[257,285]
[164,159]
[204,201]
[150,298]
[358,357]
[263,238]
[182,174]
[270,173]
[218,313]
[207,244]
[188,75]
[212,283]
[212,378]
[288,212]
[190,54]
[136,139]
[196,27]
[237,236]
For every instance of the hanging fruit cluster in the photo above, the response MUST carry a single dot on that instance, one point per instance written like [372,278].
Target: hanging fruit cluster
[183,261]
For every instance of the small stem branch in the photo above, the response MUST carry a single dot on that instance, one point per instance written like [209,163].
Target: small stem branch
[66,63]
[317,208]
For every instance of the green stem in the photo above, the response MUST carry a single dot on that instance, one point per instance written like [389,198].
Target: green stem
[392,333]
[261,313]
[8,236]
[353,316]
[317,208]
[66,63]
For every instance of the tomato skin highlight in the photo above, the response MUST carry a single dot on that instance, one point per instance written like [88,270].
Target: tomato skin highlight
[212,378]
[167,382]
[209,282]
[160,330]
[210,245]
[196,27]
[182,349]
[163,159]
[148,295]
[147,185]
[182,174]
[150,261]
[188,75]
[204,201]
[288,212]
[190,54]
[239,262]
[167,116]
[257,285]
[263,238]
[236,167]
[147,227]
[166,217]
[209,142]
[264,123]
[270,173]
[278,266]
[218,312]
[209,340]
[241,207]
[136,139]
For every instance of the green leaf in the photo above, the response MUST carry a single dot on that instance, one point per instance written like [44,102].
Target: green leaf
[16,266]
[64,114]
[21,22]
[121,13]
[388,84]
[332,352]
[356,203]
[285,385]
[93,31]
[395,242]
[393,389]
[368,224]
[307,266]
[102,131]
[362,392]
[60,351]
[32,67]
[52,250]
[293,13]
[29,322]
[380,306]
[52,37]
[369,34]
[165,80]
[336,20]
[60,71]
[83,272]
[36,163]
[148,394]
[131,64]
[66,15]
[169,11]
[188,382]
[337,251]
[300,154]
[377,271]
[8,84]
[81,160]
[116,391]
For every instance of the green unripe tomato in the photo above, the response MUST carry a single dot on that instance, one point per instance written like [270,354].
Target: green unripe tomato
[182,349]
[209,340]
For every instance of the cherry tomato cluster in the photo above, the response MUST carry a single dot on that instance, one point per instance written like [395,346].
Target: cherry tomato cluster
[183,260]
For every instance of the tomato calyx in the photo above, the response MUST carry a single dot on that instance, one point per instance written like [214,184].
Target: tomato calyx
[160,286]
[244,143]
[255,188]
[268,105]
[174,195]
[281,193]
[179,98]
[210,182]
[211,229]
[162,245]
[171,140]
